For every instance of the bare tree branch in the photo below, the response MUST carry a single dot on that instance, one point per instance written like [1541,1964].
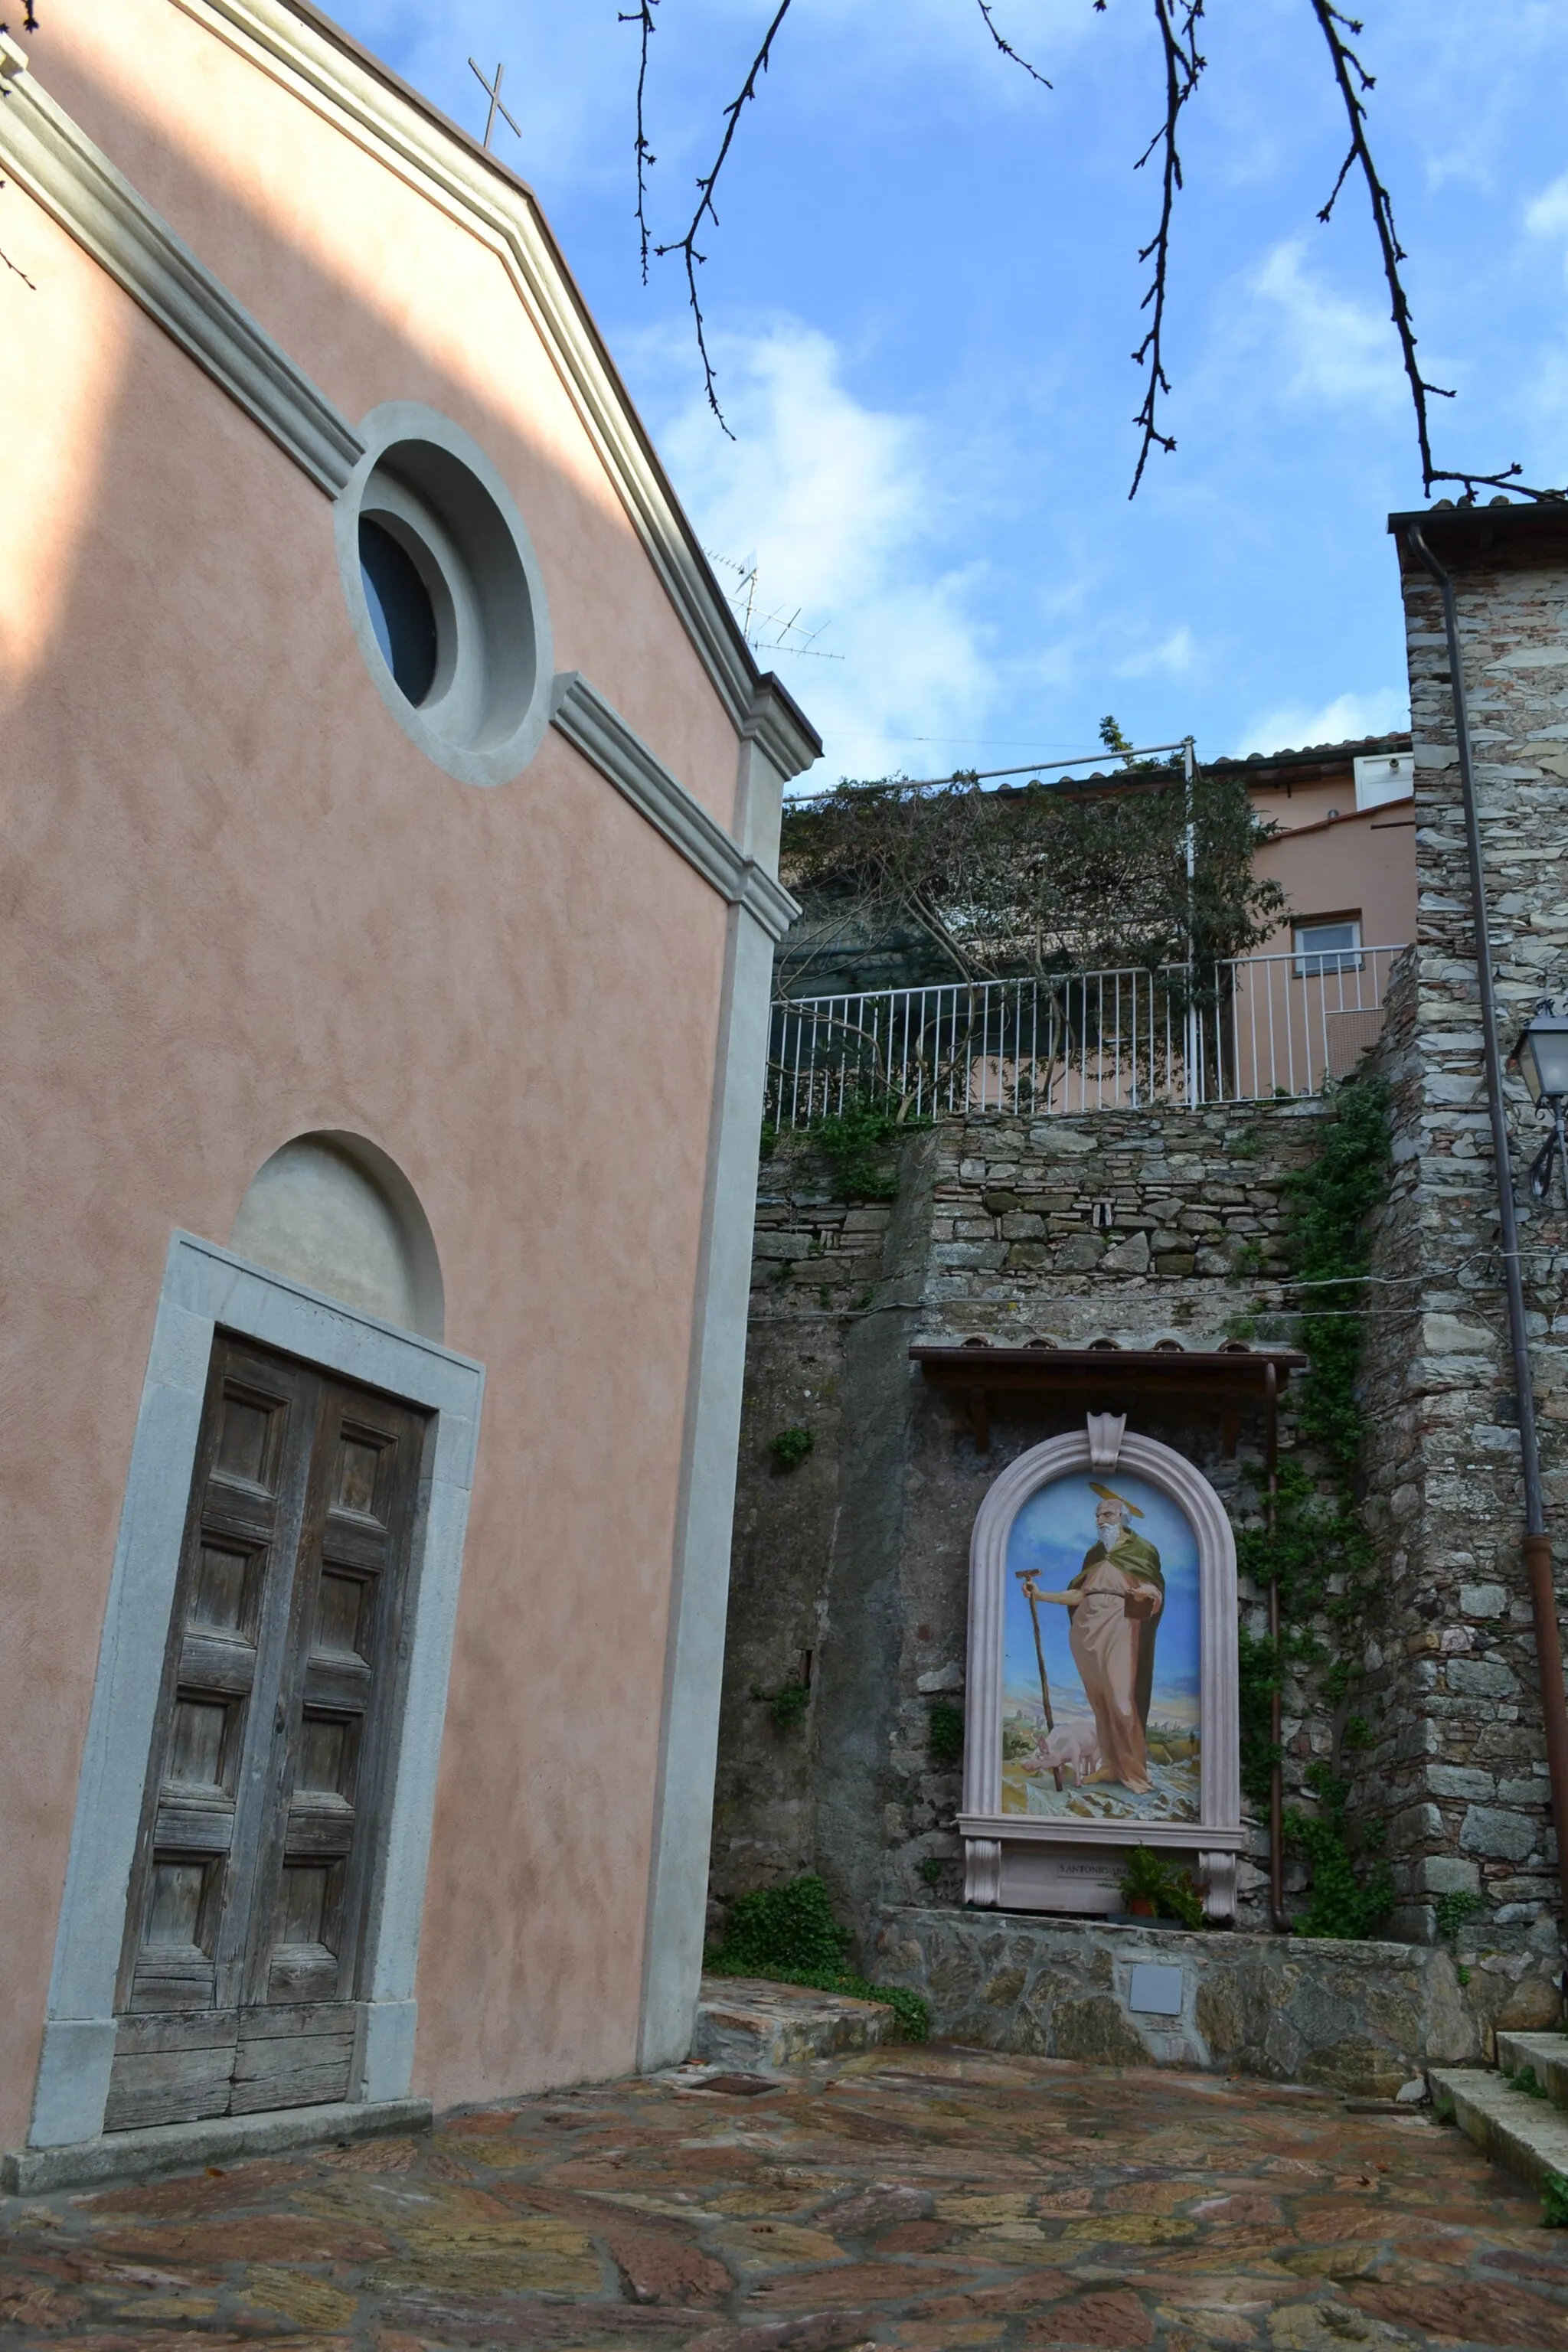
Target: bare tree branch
[1354,81]
[29,25]
[13,267]
[1006,47]
[1507,480]
[687,245]
[642,17]
[1178,23]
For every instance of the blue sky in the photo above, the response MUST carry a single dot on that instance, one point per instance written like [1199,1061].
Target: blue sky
[923,296]
[1049,1538]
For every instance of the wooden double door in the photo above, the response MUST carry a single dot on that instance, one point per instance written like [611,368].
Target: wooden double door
[264,1804]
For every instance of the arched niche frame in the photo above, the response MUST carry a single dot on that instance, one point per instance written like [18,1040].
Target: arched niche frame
[1018,1862]
[332,1209]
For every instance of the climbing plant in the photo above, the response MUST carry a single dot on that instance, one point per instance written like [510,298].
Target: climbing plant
[945,1734]
[1317,1553]
[857,1145]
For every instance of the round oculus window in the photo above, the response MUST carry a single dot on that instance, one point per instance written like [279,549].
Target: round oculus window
[401,612]
[445,595]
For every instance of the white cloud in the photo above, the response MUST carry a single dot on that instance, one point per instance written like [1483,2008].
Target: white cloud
[1174,656]
[1547,214]
[841,508]
[1335,350]
[1293,726]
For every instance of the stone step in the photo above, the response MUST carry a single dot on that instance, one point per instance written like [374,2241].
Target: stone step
[745,2022]
[1543,2055]
[1528,2136]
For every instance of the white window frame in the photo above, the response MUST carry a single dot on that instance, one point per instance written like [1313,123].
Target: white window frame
[1328,962]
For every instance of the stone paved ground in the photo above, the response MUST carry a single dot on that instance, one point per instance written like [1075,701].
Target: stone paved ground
[909,2197]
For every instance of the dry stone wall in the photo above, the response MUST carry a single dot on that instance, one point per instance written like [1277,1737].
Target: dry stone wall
[850,1571]
[1459,1769]
[1365,2018]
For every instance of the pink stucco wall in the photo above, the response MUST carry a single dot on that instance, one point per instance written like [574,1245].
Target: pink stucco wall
[239,904]
[1331,859]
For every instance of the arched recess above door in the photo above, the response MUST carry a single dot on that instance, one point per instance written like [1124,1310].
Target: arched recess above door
[332,1211]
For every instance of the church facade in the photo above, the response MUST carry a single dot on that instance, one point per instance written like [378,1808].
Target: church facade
[392,807]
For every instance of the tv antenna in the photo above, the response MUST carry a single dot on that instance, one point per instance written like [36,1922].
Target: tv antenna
[492,92]
[778,632]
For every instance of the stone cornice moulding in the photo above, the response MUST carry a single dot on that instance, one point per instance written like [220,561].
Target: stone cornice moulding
[46,153]
[594,726]
[780,729]
[373,111]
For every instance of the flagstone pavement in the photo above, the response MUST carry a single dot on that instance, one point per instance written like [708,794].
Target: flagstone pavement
[908,2197]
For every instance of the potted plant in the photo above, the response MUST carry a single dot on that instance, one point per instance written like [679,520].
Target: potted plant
[1153,1889]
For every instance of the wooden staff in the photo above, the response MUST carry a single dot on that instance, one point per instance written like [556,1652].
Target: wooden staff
[1026,1580]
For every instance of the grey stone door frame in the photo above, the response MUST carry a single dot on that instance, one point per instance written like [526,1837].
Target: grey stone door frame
[206,1286]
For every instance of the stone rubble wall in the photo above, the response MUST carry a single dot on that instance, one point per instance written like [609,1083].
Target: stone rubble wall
[1458,1772]
[827,1351]
[859,1556]
[1363,2018]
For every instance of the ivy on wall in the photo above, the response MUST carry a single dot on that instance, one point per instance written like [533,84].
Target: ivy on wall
[1319,1552]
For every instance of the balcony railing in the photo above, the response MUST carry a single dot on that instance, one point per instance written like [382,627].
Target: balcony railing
[1248,1030]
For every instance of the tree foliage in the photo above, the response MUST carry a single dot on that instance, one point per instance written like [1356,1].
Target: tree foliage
[1040,881]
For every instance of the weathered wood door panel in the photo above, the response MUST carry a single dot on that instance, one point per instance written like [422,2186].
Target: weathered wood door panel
[259,1837]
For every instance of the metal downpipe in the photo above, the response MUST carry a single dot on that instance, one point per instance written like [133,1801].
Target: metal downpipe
[1536,1546]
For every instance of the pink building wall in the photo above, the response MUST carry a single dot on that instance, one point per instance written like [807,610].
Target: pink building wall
[242,905]
[1331,858]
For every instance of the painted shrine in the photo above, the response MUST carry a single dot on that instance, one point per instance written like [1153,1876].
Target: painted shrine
[1102,1675]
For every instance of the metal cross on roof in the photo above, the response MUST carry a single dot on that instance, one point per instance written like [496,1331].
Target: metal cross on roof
[492,92]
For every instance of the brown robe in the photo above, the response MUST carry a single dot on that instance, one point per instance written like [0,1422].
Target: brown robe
[1114,1652]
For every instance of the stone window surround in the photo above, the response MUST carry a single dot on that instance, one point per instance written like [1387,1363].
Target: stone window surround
[1217,1835]
[206,1286]
[465,520]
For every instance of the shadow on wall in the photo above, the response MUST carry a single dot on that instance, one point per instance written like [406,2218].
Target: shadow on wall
[331,1210]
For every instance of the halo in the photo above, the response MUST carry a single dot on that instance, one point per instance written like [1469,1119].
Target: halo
[1111,1497]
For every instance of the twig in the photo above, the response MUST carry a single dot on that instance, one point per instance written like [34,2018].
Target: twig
[1183,67]
[642,17]
[1354,81]
[687,245]
[1006,47]
[29,25]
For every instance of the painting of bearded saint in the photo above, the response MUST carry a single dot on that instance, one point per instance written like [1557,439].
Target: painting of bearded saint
[1100,1655]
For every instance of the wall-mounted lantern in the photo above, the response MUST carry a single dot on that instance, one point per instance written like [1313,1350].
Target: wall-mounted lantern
[1542,1058]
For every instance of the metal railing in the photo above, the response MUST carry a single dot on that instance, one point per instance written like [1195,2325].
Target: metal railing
[1249,1029]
